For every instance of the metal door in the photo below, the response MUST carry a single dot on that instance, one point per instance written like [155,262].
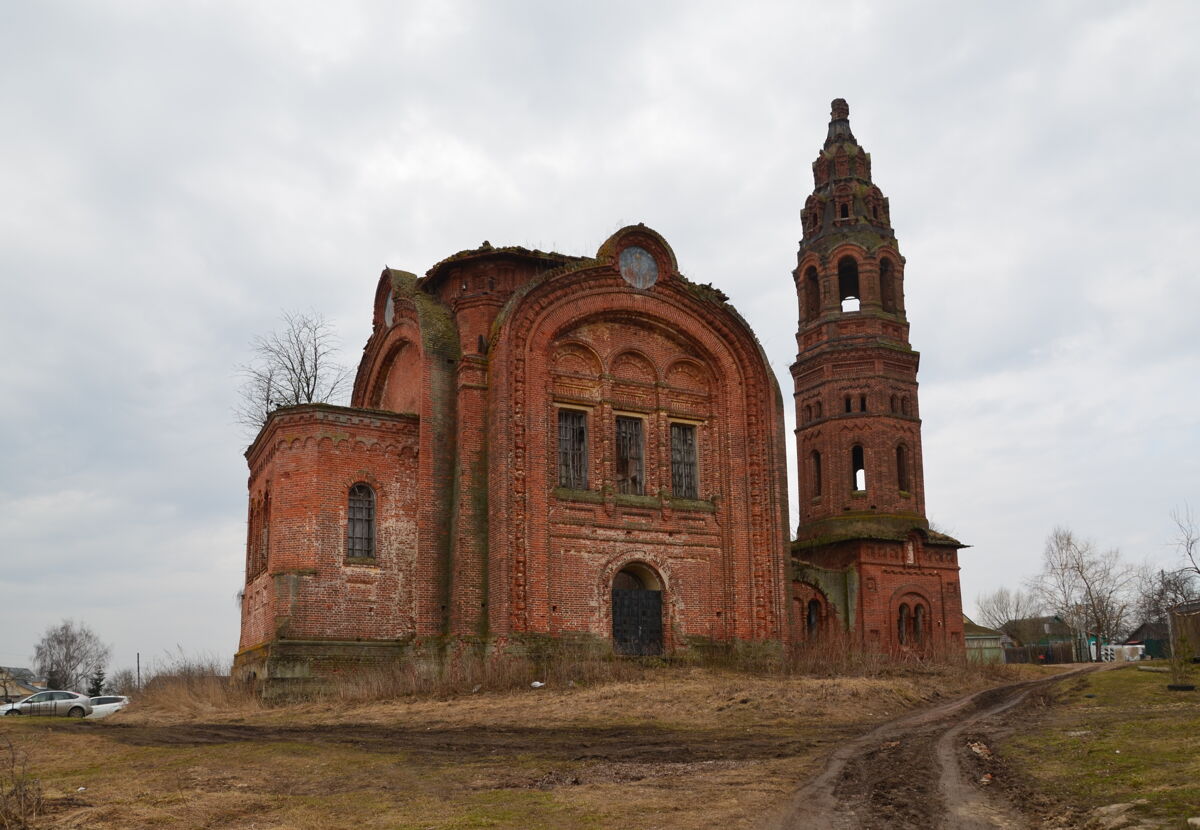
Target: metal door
[637,621]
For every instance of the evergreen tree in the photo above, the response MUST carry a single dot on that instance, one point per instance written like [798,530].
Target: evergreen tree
[96,684]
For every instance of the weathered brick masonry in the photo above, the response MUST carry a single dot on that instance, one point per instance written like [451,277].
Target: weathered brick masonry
[541,445]
[865,555]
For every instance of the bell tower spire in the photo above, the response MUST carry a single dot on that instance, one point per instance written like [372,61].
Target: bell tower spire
[855,374]
[858,430]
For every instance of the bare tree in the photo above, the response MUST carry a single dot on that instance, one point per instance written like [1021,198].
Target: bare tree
[68,654]
[1005,610]
[1159,591]
[1188,540]
[1092,591]
[293,366]
[123,682]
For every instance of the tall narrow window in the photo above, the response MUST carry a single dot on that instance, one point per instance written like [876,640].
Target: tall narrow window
[572,449]
[683,462]
[858,467]
[630,469]
[257,534]
[903,624]
[902,467]
[264,532]
[918,624]
[816,473]
[862,403]
[848,290]
[360,524]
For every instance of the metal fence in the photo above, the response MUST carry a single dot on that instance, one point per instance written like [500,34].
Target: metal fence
[1184,621]
[1051,653]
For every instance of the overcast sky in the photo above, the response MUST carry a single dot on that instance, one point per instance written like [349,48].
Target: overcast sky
[173,176]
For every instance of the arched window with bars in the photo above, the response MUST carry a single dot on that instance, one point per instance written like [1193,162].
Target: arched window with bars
[360,523]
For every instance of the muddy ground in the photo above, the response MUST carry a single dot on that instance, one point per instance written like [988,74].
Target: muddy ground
[932,769]
[681,750]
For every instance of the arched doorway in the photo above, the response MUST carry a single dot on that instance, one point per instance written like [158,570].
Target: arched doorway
[637,611]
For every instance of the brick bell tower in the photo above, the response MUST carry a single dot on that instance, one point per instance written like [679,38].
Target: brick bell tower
[865,562]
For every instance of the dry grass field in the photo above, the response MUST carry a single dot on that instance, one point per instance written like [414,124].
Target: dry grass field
[651,747]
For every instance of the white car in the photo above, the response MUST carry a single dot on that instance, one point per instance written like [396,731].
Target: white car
[105,705]
[52,702]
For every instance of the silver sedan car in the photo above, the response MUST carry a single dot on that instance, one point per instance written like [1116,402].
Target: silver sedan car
[71,704]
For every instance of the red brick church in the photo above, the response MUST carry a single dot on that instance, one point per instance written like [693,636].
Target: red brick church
[543,447]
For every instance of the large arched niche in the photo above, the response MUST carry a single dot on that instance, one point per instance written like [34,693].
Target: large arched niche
[398,386]
[579,304]
[378,371]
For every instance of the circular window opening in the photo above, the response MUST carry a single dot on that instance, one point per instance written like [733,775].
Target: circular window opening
[638,267]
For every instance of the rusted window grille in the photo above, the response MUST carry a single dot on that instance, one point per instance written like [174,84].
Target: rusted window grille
[683,462]
[252,542]
[630,470]
[264,531]
[572,449]
[258,538]
[360,526]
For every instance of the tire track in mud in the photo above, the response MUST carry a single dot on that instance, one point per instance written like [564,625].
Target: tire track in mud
[907,774]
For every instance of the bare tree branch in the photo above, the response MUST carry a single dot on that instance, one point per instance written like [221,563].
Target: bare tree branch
[1159,591]
[296,365]
[1188,540]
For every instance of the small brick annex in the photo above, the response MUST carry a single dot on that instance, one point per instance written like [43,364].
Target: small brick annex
[543,447]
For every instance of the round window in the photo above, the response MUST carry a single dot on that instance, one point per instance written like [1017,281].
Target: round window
[638,267]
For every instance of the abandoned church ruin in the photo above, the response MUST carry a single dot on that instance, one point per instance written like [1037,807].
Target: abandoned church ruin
[543,447]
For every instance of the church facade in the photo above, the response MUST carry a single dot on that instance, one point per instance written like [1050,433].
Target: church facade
[543,447]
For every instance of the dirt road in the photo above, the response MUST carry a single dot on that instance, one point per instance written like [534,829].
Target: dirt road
[918,771]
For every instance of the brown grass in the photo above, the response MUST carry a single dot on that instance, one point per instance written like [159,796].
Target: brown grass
[200,687]
[20,793]
[603,744]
